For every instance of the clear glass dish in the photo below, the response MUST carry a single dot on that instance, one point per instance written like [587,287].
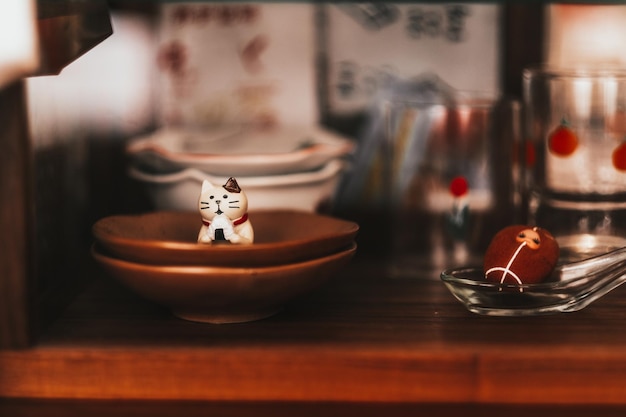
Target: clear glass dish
[573,285]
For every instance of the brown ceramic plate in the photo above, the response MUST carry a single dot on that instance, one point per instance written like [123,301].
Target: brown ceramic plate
[224,294]
[169,238]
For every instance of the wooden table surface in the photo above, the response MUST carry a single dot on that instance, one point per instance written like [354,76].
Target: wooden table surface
[363,338]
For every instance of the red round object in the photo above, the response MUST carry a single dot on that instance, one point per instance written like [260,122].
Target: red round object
[459,186]
[520,254]
[563,141]
[619,157]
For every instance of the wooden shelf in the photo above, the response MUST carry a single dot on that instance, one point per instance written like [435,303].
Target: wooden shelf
[362,338]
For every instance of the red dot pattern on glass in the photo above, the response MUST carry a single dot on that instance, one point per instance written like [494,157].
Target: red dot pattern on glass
[563,141]
[459,186]
[619,157]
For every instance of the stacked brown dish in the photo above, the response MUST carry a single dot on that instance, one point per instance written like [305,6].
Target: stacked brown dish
[156,255]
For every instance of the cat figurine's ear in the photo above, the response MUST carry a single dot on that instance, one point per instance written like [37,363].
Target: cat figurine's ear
[206,185]
[231,186]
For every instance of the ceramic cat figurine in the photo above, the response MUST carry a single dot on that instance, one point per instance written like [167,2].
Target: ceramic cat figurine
[224,211]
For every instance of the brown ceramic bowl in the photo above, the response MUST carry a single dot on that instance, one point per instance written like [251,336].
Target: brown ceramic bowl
[169,238]
[224,294]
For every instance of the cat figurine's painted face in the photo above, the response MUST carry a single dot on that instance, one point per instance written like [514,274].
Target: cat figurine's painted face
[224,212]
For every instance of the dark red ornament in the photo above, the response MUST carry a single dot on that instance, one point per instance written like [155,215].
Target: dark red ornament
[521,254]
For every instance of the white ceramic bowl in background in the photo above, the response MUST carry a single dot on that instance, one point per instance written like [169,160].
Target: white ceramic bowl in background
[239,151]
[306,191]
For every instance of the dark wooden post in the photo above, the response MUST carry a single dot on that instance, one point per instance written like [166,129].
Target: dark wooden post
[523,42]
[16,216]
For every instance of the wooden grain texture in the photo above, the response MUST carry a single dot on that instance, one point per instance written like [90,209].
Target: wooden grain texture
[361,338]
[287,373]
[99,408]
[562,376]
[15,219]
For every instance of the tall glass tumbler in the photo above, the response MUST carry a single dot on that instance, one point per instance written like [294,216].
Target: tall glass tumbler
[575,132]
[452,179]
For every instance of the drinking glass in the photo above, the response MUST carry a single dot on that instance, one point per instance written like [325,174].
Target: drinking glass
[575,135]
[451,176]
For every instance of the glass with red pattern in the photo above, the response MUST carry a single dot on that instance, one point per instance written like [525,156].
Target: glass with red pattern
[452,178]
[576,126]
